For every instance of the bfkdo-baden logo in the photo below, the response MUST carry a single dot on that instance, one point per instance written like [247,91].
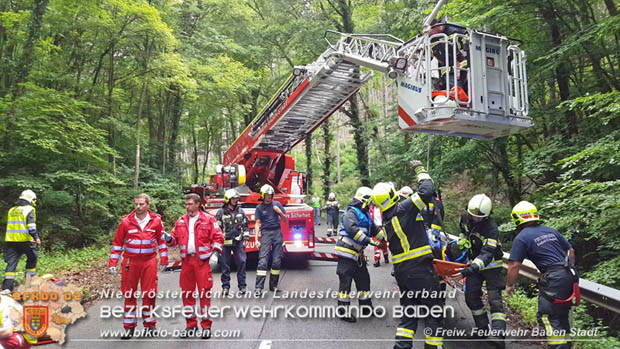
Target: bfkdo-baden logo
[36,319]
[48,306]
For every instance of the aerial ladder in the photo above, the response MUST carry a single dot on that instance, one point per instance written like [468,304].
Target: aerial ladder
[493,104]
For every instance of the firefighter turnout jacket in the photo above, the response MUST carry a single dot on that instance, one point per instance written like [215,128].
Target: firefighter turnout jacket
[484,251]
[137,242]
[208,236]
[234,223]
[406,233]
[356,231]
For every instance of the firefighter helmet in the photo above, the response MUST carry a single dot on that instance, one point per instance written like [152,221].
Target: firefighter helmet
[524,212]
[363,194]
[479,206]
[332,196]
[29,196]
[230,194]
[405,192]
[384,195]
[265,190]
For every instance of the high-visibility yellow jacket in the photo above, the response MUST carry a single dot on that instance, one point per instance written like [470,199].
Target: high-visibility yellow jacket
[21,225]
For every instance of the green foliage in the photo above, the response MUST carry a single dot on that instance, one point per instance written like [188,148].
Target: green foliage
[525,306]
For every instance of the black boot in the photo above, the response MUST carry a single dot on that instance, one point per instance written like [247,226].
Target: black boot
[128,333]
[342,312]
[189,332]
[273,282]
[377,264]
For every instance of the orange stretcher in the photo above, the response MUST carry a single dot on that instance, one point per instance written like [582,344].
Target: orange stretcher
[446,269]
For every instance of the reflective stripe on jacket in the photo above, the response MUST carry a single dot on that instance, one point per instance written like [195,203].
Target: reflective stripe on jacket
[18,229]
[137,242]
[405,230]
[208,236]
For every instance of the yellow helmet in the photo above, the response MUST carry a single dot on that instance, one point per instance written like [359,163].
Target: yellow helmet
[384,195]
[29,196]
[524,212]
[363,194]
[266,189]
[230,194]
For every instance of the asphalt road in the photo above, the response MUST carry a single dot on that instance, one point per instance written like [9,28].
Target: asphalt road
[264,332]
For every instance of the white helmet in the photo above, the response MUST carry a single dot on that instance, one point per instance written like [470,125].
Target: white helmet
[363,194]
[230,194]
[405,191]
[479,206]
[332,196]
[265,190]
[29,196]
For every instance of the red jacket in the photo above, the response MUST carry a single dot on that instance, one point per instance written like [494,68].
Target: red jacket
[138,242]
[208,236]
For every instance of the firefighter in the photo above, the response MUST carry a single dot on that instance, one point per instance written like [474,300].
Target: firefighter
[234,224]
[268,215]
[382,248]
[479,234]
[411,255]
[21,238]
[455,37]
[356,232]
[200,240]
[332,211]
[141,233]
[555,258]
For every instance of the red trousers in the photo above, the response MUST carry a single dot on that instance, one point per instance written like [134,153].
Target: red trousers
[144,271]
[15,341]
[196,272]
[384,248]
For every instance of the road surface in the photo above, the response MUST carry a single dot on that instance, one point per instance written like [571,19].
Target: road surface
[277,331]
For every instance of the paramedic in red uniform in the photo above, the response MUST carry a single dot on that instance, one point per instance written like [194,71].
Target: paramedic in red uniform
[142,234]
[200,241]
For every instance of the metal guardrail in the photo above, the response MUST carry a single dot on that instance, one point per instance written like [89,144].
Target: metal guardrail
[601,295]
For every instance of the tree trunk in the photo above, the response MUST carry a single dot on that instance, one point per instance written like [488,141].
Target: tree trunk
[326,168]
[207,149]
[361,145]
[562,70]
[308,143]
[174,132]
[195,152]
[338,156]
[34,32]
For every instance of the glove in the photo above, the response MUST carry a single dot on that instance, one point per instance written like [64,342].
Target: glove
[375,243]
[166,237]
[469,270]
[246,237]
[163,267]
[112,270]
[213,260]
[416,165]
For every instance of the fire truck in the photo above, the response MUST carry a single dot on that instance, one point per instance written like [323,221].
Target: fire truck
[478,90]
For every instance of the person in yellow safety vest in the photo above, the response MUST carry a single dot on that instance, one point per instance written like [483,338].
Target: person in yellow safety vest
[479,234]
[316,204]
[412,257]
[21,238]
